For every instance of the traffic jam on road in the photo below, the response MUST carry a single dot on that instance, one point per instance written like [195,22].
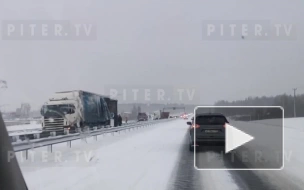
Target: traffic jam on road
[151,95]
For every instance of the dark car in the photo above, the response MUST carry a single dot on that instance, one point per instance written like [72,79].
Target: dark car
[209,128]
[142,117]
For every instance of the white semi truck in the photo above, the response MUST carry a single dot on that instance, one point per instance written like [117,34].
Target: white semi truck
[77,109]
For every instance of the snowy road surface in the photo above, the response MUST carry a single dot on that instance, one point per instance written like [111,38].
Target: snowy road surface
[156,157]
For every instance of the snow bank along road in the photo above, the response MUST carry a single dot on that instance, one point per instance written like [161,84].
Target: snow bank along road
[22,129]
[32,128]
[155,157]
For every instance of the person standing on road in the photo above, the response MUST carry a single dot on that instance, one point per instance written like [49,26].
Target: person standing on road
[119,120]
[115,120]
[126,119]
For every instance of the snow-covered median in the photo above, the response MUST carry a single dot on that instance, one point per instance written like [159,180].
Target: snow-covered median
[294,162]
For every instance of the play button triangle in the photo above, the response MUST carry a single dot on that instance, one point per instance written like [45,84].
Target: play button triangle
[235,138]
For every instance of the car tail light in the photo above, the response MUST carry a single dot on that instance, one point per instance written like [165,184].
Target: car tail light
[195,126]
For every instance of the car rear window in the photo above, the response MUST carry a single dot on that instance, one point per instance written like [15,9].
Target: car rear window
[211,120]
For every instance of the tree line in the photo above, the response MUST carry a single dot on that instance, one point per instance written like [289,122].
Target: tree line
[285,101]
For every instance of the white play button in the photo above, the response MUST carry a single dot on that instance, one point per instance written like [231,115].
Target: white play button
[235,138]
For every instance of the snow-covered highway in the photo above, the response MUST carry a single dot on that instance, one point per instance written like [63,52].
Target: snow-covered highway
[155,157]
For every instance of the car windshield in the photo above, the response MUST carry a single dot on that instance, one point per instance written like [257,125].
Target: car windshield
[210,120]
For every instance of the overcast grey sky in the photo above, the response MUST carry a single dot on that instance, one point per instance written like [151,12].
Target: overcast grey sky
[151,42]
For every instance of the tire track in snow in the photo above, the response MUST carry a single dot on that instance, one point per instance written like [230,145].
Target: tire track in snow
[214,179]
[185,177]
[258,179]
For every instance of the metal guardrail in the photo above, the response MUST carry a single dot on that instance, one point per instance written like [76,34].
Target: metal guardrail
[50,141]
[14,133]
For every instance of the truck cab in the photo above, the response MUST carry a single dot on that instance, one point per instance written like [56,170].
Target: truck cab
[60,114]
[78,109]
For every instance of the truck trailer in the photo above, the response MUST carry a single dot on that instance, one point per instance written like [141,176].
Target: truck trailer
[76,110]
[164,115]
[160,115]
[156,115]
[112,106]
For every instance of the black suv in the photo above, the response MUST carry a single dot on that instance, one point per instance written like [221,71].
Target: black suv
[209,127]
